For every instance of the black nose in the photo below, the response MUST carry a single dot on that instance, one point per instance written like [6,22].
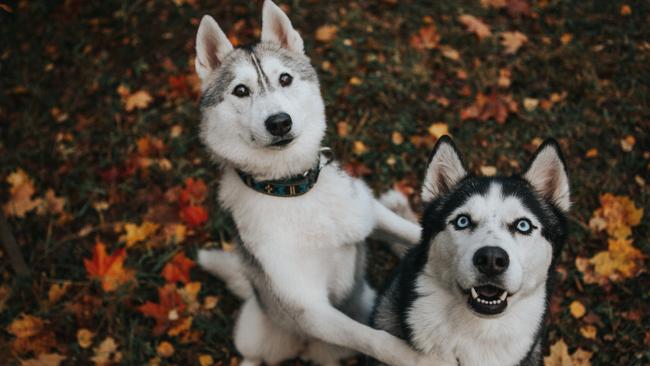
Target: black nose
[278,124]
[491,261]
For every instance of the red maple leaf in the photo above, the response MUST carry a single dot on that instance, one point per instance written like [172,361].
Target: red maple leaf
[178,269]
[109,269]
[194,216]
[167,311]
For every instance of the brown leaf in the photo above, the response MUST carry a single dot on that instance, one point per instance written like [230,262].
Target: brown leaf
[25,326]
[21,192]
[326,33]
[426,38]
[512,41]
[44,359]
[106,353]
[494,106]
[476,26]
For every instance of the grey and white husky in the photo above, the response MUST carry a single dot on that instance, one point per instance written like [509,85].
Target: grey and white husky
[302,222]
[475,290]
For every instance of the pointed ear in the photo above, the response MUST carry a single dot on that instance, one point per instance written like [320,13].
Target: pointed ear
[445,169]
[277,28]
[548,176]
[212,46]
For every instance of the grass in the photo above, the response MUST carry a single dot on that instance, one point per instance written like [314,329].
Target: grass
[70,58]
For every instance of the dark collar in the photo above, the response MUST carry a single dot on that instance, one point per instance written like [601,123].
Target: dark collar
[293,186]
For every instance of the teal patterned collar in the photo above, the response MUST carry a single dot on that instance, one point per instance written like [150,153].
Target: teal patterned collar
[294,186]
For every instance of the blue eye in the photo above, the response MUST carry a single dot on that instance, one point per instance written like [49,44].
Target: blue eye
[523,226]
[462,222]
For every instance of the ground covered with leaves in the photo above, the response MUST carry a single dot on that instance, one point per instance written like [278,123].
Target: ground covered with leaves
[109,193]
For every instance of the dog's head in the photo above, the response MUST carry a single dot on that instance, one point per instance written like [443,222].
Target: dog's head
[493,239]
[262,110]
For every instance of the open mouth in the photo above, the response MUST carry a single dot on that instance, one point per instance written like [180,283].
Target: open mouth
[487,299]
[283,142]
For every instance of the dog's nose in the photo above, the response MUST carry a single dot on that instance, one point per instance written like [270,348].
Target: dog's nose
[491,261]
[278,124]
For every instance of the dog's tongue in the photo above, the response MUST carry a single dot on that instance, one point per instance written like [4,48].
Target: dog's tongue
[488,291]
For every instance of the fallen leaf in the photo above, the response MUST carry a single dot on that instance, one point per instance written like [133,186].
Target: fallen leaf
[581,358]
[165,349]
[620,261]
[57,290]
[166,311]
[359,148]
[495,106]
[627,143]
[44,359]
[617,214]
[342,128]
[138,100]
[194,216]
[137,233]
[476,26]
[21,192]
[51,204]
[355,81]
[194,192]
[577,309]
[25,326]
[488,170]
[504,80]
[397,138]
[566,38]
[530,104]
[591,153]
[438,129]
[589,331]
[450,53]
[426,38]
[493,4]
[206,360]
[85,338]
[326,33]
[178,269]
[109,269]
[106,353]
[626,10]
[512,41]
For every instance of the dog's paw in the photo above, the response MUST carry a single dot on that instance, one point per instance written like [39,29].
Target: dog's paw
[398,203]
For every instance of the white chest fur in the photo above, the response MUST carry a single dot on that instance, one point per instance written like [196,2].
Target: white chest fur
[443,324]
[315,234]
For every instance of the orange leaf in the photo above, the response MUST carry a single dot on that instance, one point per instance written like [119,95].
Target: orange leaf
[25,326]
[194,192]
[44,359]
[194,216]
[427,38]
[166,313]
[138,100]
[109,269]
[135,234]
[476,26]
[326,33]
[21,192]
[512,41]
[178,269]
[617,214]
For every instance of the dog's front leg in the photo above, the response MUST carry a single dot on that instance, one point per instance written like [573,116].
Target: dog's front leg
[398,231]
[328,324]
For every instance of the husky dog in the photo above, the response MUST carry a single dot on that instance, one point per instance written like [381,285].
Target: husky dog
[302,222]
[475,290]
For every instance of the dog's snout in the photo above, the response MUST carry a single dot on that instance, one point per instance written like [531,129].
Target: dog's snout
[278,124]
[491,261]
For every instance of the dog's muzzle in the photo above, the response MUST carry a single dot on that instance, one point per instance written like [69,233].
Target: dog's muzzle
[487,300]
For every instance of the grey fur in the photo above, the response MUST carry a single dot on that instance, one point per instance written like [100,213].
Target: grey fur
[215,92]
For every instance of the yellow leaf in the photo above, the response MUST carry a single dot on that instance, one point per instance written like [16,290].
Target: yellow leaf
[135,233]
[180,327]
[397,138]
[326,33]
[589,331]
[57,291]
[577,309]
[106,353]
[618,213]
[359,148]
[620,261]
[44,359]
[559,355]
[450,53]
[488,170]
[355,81]
[627,143]
[210,302]
[21,192]
[138,100]
[165,349]
[530,104]
[512,41]
[85,337]
[206,360]
[438,129]
[474,25]
[25,326]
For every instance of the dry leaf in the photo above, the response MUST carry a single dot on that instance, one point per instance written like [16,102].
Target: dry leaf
[591,153]
[106,353]
[512,41]
[581,358]
[359,148]
[135,234]
[617,214]
[57,291]
[342,128]
[495,106]
[25,326]
[589,331]
[625,10]
[85,338]
[178,269]
[51,204]
[577,309]
[450,53]
[476,26]
[530,104]
[44,359]
[326,33]
[438,129]
[355,81]
[206,360]
[109,269]
[504,80]
[627,143]
[397,138]
[488,170]
[138,100]
[566,38]
[194,216]
[426,38]
[621,261]
[21,192]
[165,349]
[167,311]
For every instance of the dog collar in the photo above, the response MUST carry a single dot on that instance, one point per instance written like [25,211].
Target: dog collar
[293,186]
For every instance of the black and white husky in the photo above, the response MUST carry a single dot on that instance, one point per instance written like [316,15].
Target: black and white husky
[302,222]
[475,290]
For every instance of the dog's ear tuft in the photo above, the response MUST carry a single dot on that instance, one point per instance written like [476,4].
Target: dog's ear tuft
[277,28]
[548,176]
[445,169]
[212,46]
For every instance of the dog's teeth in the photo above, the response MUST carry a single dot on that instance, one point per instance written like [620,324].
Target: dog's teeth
[503,295]
[474,294]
